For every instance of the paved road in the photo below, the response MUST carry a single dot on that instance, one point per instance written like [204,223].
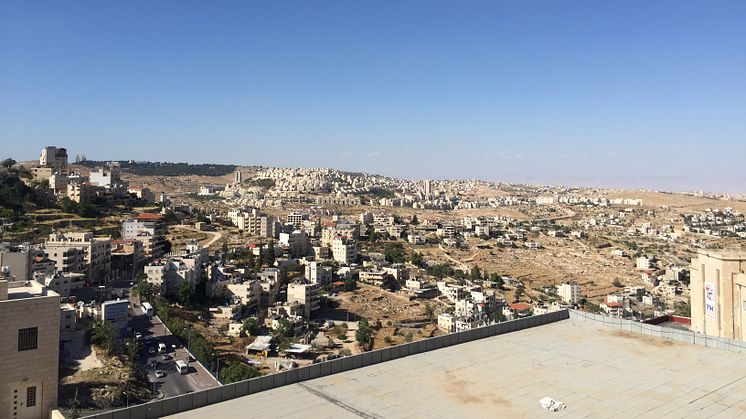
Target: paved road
[173,384]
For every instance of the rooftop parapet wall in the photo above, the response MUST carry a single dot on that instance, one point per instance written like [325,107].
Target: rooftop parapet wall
[173,405]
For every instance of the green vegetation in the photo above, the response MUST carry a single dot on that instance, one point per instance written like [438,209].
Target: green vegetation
[167,169]
[441,271]
[519,291]
[13,192]
[104,334]
[261,183]
[683,309]
[381,193]
[237,372]
[84,210]
[364,334]
[429,312]
[394,252]
[250,327]
[202,349]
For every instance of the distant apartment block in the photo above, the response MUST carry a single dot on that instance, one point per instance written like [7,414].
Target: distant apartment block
[344,250]
[96,253]
[149,229]
[53,157]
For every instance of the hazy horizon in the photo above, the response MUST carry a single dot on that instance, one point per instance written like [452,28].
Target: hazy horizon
[639,94]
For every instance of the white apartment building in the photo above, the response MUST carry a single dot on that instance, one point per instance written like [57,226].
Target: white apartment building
[316,273]
[344,250]
[248,293]
[569,292]
[297,242]
[96,251]
[148,229]
[306,294]
[168,274]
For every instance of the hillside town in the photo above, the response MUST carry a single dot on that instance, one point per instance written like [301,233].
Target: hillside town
[164,285]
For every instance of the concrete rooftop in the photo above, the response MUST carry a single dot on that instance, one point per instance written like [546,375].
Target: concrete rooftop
[596,372]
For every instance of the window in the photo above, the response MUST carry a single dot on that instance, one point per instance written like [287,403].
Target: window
[27,338]
[31,396]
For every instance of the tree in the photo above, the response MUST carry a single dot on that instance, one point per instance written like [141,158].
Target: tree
[498,280]
[475,274]
[8,163]
[184,293]
[75,406]
[269,256]
[238,372]
[283,328]
[104,334]
[414,220]
[142,288]
[350,284]
[518,292]
[429,312]
[617,283]
[372,235]
[394,252]
[133,349]
[683,309]
[363,335]
[250,327]
[417,259]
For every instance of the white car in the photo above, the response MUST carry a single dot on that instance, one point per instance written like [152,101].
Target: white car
[138,335]
[160,374]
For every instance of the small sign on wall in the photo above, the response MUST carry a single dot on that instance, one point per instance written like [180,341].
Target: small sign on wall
[710,298]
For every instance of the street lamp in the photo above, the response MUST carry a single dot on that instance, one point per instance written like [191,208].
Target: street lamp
[128,398]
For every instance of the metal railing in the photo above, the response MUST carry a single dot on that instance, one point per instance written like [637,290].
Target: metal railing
[669,333]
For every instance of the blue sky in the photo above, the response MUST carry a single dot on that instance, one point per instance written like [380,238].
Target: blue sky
[634,93]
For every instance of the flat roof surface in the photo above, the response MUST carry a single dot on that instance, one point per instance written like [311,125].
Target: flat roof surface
[596,372]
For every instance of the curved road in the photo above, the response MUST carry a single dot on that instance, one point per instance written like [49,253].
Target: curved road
[216,235]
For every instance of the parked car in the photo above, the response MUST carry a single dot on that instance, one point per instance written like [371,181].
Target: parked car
[160,374]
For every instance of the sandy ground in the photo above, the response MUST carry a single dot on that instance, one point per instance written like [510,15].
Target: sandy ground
[79,354]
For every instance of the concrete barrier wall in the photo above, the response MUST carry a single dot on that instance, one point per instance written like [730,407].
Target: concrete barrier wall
[173,405]
[677,335]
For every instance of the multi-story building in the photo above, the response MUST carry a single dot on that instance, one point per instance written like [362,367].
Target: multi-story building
[718,294]
[53,157]
[569,292]
[344,250]
[248,293]
[127,259]
[306,294]
[58,184]
[316,273]
[297,242]
[149,229]
[169,274]
[29,349]
[67,260]
[97,251]
[296,218]
[63,283]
